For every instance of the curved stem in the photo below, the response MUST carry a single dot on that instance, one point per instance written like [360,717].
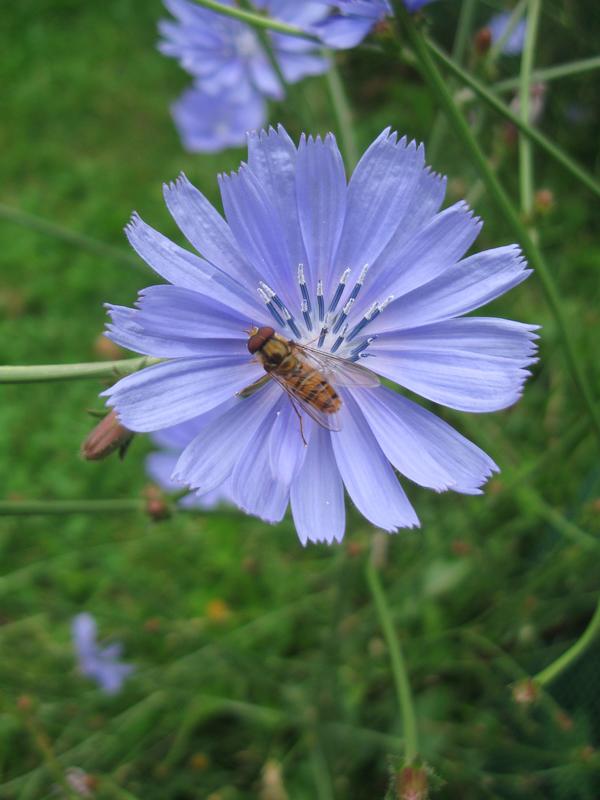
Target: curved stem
[553,670]
[552,73]
[525,156]
[494,102]
[29,508]
[256,20]
[403,691]
[67,372]
[504,203]
[343,115]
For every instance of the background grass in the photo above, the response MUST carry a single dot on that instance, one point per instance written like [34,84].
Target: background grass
[251,650]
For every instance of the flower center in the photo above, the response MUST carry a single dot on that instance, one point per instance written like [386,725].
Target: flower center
[329,327]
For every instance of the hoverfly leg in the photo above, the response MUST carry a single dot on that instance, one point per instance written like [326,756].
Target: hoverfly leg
[300,420]
[254,387]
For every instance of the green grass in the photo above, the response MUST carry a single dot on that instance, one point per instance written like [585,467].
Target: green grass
[491,589]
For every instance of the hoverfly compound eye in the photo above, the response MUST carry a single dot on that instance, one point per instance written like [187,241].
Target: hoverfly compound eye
[258,339]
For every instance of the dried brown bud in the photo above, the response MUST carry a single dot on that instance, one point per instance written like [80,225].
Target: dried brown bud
[156,505]
[483,41]
[544,201]
[412,784]
[108,435]
[525,692]
[104,348]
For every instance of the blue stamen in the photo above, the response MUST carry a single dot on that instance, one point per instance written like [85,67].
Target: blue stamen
[359,283]
[304,288]
[320,301]
[322,335]
[342,317]
[306,315]
[339,291]
[269,304]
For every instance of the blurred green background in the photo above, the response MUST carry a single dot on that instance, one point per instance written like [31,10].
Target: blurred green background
[261,666]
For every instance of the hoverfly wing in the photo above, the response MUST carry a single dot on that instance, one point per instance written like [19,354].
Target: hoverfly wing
[337,370]
[330,422]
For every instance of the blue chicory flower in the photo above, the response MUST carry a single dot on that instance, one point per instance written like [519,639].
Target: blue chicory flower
[208,123]
[352,20]
[515,41]
[224,54]
[161,464]
[370,270]
[99,663]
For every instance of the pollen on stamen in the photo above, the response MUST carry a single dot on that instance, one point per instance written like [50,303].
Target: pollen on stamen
[304,287]
[359,283]
[306,315]
[269,304]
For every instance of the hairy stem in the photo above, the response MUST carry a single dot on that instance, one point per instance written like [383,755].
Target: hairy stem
[403,691]
[553,670]
[66,372]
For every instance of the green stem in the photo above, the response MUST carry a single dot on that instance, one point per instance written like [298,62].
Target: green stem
[403,691]
[71,237]
[67,372]
[494,102]
[343,115]
[28,508]
[256,20]
[552,73]
[463,33]
[525,158]
[511,215]
[553,670]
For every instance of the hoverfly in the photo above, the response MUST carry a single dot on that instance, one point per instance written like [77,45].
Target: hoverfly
[308,376]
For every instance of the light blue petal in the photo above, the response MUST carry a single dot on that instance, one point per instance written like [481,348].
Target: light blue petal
[210,458]
[272,158]
[286,447]
[165,394]
[471,283]
[366,472]
[206,230]
[317,495]
[256,224]
[422,446]
[379,194]
[321,195]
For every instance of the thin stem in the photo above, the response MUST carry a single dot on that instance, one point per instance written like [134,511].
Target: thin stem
[552,73]
[403,691]
[71,237]
[67,372]
[461,39]
[343,115]
[525,157]
[256,20]
[494,102]
[511,215]
[30,508]
[553,670]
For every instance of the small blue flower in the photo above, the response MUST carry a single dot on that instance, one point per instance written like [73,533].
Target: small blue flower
[99,663]
[224,54]
[208,123]
[161,464]
[367,270]
[515,42]
[352,20]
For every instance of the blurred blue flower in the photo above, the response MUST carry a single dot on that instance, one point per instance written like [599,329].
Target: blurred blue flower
[514,43]
[369,270]
[99,663]
[161,464]
[352,20]
[208,123]
[223,53]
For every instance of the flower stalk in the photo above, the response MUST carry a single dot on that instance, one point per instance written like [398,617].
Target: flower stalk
[557,667]
[525,154]
[343,115]
[422,48]
[40,373]
[403,690]
[256,20]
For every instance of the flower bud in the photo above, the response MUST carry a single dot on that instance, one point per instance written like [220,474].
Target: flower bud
[108,435]
[525,692]
[156,505]
[483,41]
[412,784]
[544,201]
[105,348]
